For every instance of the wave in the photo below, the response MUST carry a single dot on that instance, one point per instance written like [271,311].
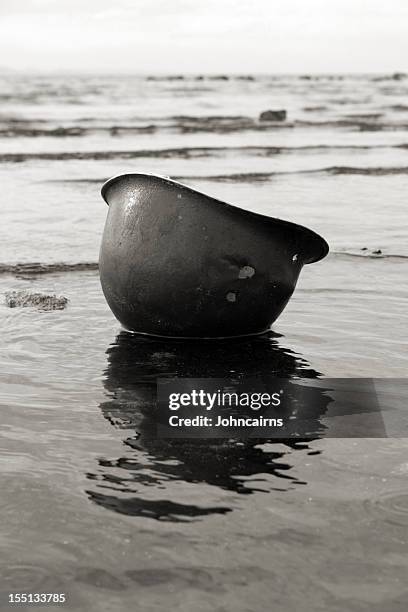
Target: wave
[202,77]
[363,116]
[218,124]
[396,76]
[261,177]
[362,125]
[365,253]
[60,132]
[374,171]
[35,268]
[399,108]
[65,132]
[203,119]
[316,108]
[31,269]
[188,152]
[251,177]
[237,177]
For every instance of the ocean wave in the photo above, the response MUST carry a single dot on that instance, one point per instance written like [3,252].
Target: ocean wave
[365,253]
[361,125]
[203,119]
[35,268]
[227,124]
[236,177]
[188,152]
[64,132]
[396,76]
[32,269]
[261,177]
[202,77]
[363,116]
[399,108]
[31,132]
[184,77]
[316,108]
[251,177]
[367,171]
[217,124]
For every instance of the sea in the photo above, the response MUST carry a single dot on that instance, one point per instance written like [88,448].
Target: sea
[92,504]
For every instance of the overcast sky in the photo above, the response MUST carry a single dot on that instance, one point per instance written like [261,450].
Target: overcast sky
[174,36]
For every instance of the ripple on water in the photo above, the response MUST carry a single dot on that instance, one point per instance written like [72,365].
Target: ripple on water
[23,578]
[390,507]
[97,577]
[373,457]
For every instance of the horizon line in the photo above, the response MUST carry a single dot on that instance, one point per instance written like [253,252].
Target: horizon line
[79,71]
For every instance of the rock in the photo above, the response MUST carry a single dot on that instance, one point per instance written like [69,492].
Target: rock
[41,301]
[273,115]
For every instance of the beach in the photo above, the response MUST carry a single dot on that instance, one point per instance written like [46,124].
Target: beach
[92,505]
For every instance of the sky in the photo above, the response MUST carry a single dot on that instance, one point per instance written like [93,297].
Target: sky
[204,36]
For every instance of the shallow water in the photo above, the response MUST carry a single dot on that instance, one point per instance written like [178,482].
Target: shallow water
[92,504]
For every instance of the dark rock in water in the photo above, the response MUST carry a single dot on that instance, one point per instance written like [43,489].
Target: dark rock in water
[273,115]
[371,252]
[41,301]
